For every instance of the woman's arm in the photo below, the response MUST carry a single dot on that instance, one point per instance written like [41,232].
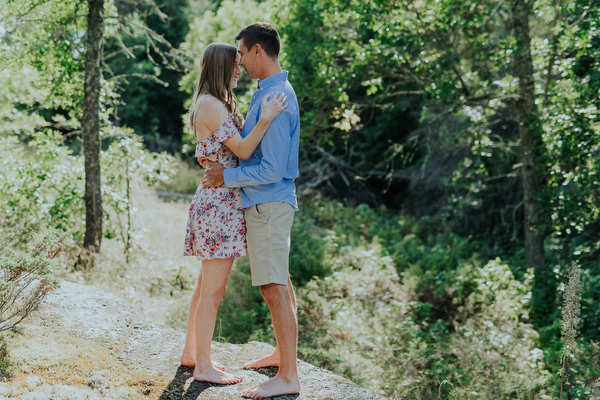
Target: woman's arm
[244,147]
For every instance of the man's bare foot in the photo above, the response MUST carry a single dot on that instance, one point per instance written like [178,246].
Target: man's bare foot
[268,361]
[273,387]
[189,361]
[214,375]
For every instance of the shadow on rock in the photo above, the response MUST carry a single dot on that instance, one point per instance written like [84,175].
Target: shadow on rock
[175,390]
[267,371]
[195,389]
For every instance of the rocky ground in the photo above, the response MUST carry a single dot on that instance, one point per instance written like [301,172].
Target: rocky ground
[85,343]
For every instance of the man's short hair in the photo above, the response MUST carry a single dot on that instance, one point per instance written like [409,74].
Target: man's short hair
[264,34]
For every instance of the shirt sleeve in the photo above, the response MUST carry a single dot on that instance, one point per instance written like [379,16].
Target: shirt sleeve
[275,147]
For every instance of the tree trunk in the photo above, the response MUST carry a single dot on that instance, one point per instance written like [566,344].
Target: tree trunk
[530,134]
[91,126]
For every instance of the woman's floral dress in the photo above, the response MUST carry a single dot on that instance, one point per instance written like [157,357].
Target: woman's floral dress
[216,227]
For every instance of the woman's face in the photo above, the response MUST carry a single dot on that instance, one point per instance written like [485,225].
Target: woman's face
[237,72]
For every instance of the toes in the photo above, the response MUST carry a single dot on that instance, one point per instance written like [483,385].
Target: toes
[232,379]
[218,366]
[250,392]
[218,377]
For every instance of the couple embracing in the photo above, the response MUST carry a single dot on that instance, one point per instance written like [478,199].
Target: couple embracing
[248,196]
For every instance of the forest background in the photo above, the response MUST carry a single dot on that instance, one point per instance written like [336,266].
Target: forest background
[448,240]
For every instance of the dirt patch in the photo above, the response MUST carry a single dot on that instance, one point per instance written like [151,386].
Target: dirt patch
[51,363]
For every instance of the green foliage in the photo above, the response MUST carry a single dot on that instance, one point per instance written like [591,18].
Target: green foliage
[308,250]
[186,179]
[365,322]
[365,67]
[571,359]
[356,99]
[21,90]
[571,124]
[126,165]
[145,65]
[4,356]
[27,267]
[42,180]
[53,46]
[141,63]
[432,258]
[243,314]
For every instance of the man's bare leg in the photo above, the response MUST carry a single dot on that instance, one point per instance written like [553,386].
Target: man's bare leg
[272,360]
[188,357]
[285,325]
[214,280]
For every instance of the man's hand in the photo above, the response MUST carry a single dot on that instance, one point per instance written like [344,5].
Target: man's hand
[213,175]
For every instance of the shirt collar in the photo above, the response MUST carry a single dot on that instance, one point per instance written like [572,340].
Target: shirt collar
[273,79]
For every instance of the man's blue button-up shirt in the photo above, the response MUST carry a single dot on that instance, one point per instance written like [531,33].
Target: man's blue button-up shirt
[270,172]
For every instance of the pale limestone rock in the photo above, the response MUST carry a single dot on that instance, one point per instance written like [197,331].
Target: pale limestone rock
[33,381]
[98,381]
[92,314]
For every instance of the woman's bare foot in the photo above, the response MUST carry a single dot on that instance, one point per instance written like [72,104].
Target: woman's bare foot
[276,386]
[268,361]
[189,361]
[214,375]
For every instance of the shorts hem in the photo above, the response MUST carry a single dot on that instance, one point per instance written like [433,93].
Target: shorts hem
[275,281]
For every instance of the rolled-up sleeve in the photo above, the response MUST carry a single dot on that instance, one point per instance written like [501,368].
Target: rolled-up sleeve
[275,147]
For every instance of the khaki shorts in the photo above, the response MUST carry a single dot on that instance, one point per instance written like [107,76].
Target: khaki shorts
[268,227]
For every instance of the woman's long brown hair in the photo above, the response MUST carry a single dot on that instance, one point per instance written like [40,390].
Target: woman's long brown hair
[216,71]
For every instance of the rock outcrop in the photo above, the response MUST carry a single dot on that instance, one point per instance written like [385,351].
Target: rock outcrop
[89,344]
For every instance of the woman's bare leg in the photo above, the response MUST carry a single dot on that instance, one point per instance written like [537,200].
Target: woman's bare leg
[188,357]
[212,289]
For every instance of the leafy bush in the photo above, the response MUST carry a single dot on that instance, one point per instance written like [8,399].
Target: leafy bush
[363,322]
[27,269]
[42,180]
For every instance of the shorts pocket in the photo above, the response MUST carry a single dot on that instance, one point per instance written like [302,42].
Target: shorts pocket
[262,211]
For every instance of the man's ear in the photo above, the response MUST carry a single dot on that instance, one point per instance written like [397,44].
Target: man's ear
[257,49]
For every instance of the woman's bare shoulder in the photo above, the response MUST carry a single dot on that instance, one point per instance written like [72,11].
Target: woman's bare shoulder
[211,112]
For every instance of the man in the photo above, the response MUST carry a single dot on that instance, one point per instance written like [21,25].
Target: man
[269,201]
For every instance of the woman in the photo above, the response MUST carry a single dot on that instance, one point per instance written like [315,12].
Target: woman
[216,232]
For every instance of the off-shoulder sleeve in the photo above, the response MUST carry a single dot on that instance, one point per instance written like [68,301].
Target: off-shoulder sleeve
[212,144]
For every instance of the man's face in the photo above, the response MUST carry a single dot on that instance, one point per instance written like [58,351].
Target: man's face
[247,59]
